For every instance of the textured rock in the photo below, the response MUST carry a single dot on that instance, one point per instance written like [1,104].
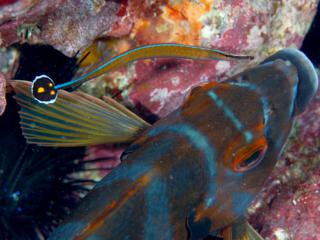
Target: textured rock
[18,17]
[68,25]
[243,27]
[77,23]
[3,101]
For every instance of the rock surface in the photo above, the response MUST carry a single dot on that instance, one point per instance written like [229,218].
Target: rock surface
[242,27]
[3,101]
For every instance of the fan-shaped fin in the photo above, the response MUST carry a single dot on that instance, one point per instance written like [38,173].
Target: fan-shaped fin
[75,119]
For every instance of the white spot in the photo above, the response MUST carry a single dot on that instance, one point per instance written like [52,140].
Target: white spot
[222,67]
[294,202]
[160,95]
[175,81]
[204,78]
[288,63]
[281,234]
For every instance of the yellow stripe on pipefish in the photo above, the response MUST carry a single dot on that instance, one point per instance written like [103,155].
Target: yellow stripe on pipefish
[149,51]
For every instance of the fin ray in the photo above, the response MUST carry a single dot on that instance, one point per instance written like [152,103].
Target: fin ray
[75,119]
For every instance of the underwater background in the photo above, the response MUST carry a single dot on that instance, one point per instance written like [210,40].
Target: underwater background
[40,186]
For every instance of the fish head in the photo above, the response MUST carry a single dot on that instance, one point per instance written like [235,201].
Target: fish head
[284,84]
[254,112]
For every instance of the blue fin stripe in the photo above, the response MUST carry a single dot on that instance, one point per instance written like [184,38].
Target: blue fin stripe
[263,99]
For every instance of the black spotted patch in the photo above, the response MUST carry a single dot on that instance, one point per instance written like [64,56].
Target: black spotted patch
[43,89]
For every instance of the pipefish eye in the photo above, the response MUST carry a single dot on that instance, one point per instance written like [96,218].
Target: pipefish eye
[43,89]
[249,156]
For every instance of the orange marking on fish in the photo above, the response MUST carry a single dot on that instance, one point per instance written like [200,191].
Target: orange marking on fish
[98,222]
[246,151]
[230,149]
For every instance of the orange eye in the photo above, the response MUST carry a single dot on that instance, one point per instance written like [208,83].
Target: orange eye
[250,156]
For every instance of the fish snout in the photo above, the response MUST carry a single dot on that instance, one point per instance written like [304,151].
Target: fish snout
[308,79]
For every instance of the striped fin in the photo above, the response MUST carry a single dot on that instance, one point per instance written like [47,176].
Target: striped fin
[75,119]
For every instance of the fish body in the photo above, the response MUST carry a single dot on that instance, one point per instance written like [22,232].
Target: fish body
[197,170]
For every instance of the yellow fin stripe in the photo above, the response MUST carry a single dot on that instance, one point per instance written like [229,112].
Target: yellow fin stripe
[75,119]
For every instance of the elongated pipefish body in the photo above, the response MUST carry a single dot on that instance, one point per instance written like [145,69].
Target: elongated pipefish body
[155,51]
[44,90]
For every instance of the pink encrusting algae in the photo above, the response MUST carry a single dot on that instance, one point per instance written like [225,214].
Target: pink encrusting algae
[3,101]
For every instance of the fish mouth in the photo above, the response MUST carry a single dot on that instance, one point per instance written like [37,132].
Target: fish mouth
[308,78]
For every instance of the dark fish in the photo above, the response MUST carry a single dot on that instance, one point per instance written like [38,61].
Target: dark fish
[190,174]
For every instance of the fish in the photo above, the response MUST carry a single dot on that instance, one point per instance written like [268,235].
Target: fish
[44,89]
[191,174]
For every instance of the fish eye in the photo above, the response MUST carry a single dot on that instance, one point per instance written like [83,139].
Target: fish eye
[250,156]
[43,89]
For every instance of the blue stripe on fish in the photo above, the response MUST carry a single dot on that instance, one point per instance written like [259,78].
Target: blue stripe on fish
[248,136]
[157,205]
[229,114]
[263,99]
[200,141]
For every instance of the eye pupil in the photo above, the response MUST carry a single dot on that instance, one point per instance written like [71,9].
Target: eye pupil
[249,156]
[250,160]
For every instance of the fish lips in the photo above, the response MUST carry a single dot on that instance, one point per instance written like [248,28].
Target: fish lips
[308,78]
